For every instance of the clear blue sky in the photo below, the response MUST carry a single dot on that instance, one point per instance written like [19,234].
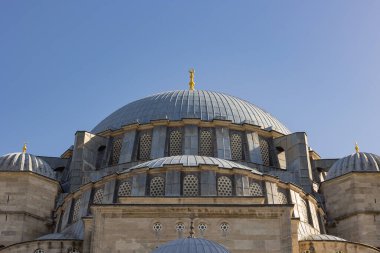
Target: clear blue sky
[65,65]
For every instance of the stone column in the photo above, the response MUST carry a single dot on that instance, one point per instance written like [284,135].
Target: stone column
[223,143]
[191,140]
[254,152]
[158,142]
[126,152]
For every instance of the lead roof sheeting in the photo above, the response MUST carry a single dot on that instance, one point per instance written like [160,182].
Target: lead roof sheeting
[176,105]
[192,161]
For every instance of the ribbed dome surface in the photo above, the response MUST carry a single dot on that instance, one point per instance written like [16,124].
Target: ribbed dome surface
[191,245]
[200,104]
[192,161]
[25,162]
[356,162]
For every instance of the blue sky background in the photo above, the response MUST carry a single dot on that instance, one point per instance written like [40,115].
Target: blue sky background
[65,65]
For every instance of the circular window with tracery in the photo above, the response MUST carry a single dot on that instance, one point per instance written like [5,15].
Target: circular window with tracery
[180,227]
[157,227]
[224,227]
[202,227]
[73,250]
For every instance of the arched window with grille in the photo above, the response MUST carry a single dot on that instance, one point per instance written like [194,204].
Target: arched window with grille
[265,151]
[76,210]
[145,145]
[206,142]
[98,196]
[236,147]
[190,186]
[224,186]
[255,189]
[125,189]
[116,149]
[157,187]
[175,143]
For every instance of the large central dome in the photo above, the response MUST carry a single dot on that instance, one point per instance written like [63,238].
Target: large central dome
[199,104]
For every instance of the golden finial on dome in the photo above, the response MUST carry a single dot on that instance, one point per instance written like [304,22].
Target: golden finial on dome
[24,148]
[356,147]
[191,83]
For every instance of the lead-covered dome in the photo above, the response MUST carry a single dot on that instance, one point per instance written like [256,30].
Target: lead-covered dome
[191,245]
[25,162]
[200,104]
[359,161]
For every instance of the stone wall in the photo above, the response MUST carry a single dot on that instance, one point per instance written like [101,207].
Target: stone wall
[26,205]
[353,206]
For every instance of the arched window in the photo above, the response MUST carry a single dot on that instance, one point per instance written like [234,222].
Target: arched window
[125,189]
[116,149]
[76,209]
[190,186]
[175,143]
[265,152]
[157,186]
[282,199]
[145,146]
[224,186]
[206,143]
[98,196]
[302,209]
[255,189]
[236,147]
[39,251]
[100,157]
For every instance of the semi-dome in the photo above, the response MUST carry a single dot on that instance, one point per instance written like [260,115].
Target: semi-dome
[25,162]
[199,104]
[322,237]
[191,245]
[193,161]
[358,161]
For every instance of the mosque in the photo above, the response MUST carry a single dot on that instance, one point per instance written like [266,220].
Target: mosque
[189,171]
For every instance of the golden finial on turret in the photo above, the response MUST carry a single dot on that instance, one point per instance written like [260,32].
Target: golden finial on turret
[24,148]
[191,83]
[356,147]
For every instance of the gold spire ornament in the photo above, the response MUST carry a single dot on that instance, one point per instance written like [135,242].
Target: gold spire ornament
[191,83]
[356,147]
[24,148]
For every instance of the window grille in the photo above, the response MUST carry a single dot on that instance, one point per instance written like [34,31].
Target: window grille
[39,251]
[202,227]
[157,227]
[224,227]
[180,227]
[264,149]
[282,199]
[190,185]
[236,147]
[224,186]
[157,186]
[116,149]
[98,196]
[175,143]
[76,210]
[255,190]
[145,146]
[125,189]
[302,209]
[73,250]
[206,144]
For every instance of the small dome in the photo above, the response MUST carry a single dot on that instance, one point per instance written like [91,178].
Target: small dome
[359,161]
[191,245]
[25,162]
[198,104]
[322,237]
[192,161]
